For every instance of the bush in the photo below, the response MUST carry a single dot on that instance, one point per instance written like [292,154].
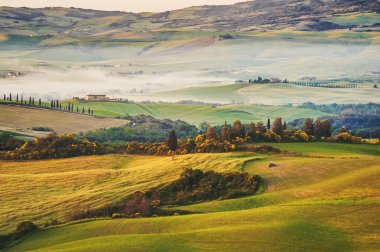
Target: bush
[25,227]
[44,129]
[347,138]
[197,186]
[9,142]
[53,146]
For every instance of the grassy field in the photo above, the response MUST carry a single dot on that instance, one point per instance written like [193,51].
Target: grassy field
[357,19]
[55,189]
[276,94]
[196,114]
[326,199]
[22,118]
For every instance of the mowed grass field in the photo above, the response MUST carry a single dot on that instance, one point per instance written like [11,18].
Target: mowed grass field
[326,198]
[195,114]
[22,118]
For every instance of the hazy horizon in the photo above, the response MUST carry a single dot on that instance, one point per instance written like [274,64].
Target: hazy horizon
[117,5]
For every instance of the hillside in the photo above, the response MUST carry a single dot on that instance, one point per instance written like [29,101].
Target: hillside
[310,202]
[246,16]
[274,94]
[22,120]
[195,114]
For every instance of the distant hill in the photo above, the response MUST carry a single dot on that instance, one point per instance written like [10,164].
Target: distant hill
[256,15]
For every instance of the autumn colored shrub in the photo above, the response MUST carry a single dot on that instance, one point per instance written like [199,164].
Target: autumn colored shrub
[345,137]
[300,136]
[53,146]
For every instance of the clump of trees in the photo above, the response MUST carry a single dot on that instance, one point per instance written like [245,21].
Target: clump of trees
[193,186]
[143,128]
[22,229]
[8,142]
[345,109]
[53,146]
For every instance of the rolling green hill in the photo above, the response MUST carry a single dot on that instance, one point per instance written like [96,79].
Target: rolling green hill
[313,202]
[23,120]
[196,114]
[275,94]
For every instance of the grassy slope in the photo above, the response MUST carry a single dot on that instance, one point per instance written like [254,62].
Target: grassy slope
[310,203]
[56,189]
[356,19]
[62,122]
[195,114]
[276,94]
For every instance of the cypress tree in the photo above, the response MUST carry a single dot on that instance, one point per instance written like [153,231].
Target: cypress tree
[60,106]
[10,96]
[22,99]
[56,104]
[89,111]
[30,100]
[83,110]
[17,98]
[77,109]
[33,101]
[39,102]
[5,97]
[172,142]
[268,124]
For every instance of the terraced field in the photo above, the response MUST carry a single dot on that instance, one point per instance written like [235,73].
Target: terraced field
[326,198]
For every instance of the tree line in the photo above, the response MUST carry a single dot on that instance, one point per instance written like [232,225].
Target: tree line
[324,85]
[54,104]
[276,131]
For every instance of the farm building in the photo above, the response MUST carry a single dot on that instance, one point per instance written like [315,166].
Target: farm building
[91,97]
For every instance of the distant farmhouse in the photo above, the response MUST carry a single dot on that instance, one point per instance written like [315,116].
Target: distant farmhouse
[99,98]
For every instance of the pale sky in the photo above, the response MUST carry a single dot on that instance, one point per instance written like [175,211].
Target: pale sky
[118,5]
